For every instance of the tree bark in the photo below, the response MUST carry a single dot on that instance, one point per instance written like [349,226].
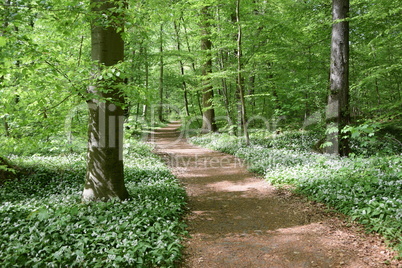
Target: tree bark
[338,115]
[197,95]
[145,106]
[240,79]
[6,127]
[225,91]
[208,113]
[161,71]
[176,28]
[105,171]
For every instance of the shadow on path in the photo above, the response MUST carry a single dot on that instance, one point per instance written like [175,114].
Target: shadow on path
[239,220]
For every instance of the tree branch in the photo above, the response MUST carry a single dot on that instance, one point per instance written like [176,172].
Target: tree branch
[66,77]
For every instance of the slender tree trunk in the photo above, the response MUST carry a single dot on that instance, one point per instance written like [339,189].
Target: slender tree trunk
[6,18]
[105,172]
[2,33]
[197,95]
[187,42]
[208,114]
[237,92]
[185,96]
[277,103]
[137,114]
[251,92]
[145,107]
[161,70]
[306,91]
[338,115]
[184,85]
[240,79]
[80,51]
[224,82]
[225,90]
[6,127]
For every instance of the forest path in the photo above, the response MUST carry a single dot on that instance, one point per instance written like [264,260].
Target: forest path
[238,220]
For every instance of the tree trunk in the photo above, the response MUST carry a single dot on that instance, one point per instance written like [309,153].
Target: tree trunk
[251,92]
[225,92]
[105,172]
[6,127]
[176,28]
[338,115]
[240,79]
[197,95]
[145,107]
[160,110]
[208,113]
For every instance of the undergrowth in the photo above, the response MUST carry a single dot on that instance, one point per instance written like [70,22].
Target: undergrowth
[43,222]
[368,187]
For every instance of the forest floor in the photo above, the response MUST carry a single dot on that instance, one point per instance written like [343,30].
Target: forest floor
[237,220]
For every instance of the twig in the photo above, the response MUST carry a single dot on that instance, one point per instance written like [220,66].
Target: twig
[54,106]
[65,76]
[394,139]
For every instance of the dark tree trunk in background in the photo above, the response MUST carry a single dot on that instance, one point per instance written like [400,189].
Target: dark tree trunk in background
[338,115]
[208,113]
[105,172]
[6,127]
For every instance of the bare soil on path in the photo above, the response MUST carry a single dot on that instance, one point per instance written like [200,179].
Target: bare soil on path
[237,220]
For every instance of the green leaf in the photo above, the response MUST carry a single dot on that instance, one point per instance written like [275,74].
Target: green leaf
[3,41]
[41,214]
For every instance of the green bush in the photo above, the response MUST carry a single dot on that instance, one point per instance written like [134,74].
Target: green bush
[45,224]
[371,138]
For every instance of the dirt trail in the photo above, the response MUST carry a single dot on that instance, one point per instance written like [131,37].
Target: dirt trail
[239,220]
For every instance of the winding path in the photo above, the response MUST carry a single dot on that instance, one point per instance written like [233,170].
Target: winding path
[239,220]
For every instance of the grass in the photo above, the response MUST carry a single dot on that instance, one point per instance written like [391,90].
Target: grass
[366,187]
[43,222]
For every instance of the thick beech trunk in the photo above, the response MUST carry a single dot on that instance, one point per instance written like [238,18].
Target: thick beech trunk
[338,114]
[105,172]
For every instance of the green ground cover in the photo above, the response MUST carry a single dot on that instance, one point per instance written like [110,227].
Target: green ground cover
[43,222]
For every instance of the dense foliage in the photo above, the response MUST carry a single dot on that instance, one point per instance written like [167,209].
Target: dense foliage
[45,64]
[45,71]
[368,189]
[43,222]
